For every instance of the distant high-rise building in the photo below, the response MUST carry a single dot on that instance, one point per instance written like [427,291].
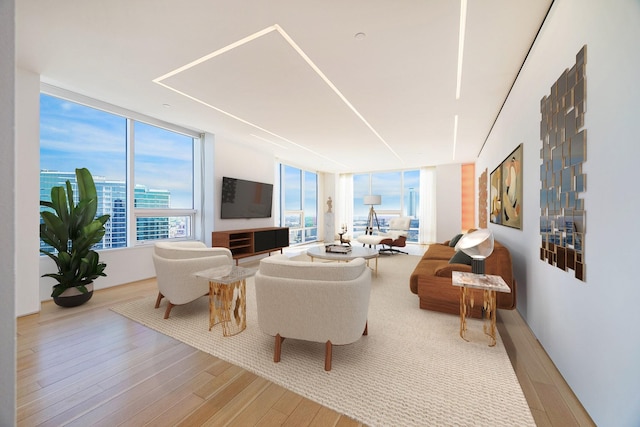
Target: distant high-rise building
[112,200]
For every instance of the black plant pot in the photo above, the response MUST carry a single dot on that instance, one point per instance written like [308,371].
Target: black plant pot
[73,297]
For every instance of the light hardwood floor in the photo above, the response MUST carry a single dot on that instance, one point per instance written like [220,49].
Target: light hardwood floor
[88,366]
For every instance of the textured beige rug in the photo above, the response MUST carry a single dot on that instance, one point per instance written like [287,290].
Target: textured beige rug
[413,369]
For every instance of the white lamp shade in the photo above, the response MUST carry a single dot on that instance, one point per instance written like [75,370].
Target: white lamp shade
[373,200]
[477,244]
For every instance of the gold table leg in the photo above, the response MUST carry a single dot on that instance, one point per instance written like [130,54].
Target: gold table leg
[490,310]
[489,328]
[463,312]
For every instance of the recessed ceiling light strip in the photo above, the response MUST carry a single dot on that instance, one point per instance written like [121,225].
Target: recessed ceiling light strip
[333,87]
[463,26]
[216,53]
[246,122]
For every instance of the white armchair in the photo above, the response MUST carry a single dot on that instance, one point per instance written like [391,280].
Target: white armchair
[175,263]
[313,301]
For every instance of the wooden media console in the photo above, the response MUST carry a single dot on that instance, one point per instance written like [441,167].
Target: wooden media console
[251,241]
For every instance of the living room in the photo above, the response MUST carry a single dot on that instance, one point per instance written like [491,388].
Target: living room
[579,323]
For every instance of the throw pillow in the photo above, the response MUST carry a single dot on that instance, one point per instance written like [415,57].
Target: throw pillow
[460,258]
[455,239]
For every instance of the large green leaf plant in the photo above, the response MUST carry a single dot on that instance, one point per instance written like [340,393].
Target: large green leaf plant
[73,230]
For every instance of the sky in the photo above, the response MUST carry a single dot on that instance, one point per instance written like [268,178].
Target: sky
[73,136]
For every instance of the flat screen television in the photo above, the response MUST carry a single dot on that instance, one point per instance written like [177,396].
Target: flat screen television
[242,198]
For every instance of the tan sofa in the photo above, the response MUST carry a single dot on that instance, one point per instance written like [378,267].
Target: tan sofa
[431,279]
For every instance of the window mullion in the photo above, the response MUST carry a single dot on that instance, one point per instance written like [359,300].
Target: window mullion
[130,183]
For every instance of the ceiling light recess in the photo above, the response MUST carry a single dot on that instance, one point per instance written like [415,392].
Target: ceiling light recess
[314,67]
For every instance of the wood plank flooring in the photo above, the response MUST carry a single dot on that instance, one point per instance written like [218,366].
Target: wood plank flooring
[88,366]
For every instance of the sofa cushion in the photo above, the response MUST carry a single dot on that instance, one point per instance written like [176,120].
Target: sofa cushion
[438,251]
[282,266]
[455,239]
[460,258]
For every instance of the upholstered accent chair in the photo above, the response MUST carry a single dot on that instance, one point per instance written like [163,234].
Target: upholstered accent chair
[175,264]
[313,301]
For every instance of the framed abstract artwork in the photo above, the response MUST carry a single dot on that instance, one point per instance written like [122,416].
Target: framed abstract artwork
[506,191]
[511,215]
[495,194]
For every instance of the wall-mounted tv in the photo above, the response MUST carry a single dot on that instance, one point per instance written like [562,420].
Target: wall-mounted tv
[245,199]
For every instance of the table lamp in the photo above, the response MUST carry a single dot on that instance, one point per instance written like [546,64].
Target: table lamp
[478,245]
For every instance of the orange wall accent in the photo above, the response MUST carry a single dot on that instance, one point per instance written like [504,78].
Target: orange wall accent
[468,196]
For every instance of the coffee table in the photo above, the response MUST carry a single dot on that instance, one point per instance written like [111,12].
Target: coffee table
[356,252]
[228,297]
[490,284]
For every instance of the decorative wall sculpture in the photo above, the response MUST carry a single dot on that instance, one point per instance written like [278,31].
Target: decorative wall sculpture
[506,191]
[482,200]
[564,150]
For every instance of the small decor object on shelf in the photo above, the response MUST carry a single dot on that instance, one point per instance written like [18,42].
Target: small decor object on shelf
[338,249]
[341,233]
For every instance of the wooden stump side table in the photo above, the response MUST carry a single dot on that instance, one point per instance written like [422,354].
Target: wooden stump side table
[227,297]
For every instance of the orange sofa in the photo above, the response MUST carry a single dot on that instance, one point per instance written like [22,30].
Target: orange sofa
[431,279]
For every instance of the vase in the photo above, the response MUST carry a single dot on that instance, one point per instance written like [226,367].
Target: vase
[72,297]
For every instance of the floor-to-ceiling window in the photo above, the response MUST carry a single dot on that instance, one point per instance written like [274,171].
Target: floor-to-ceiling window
[155,202]
[399,196]
[299,199]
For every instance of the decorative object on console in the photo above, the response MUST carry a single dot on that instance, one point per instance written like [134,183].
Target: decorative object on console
[338,249]
[564,150]
[478,245]
[372,200]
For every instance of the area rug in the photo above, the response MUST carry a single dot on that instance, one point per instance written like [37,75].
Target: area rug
[412,369]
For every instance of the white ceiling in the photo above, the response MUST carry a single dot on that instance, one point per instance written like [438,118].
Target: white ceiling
[290,77]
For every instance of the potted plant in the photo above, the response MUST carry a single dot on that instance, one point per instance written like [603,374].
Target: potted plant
[72,230]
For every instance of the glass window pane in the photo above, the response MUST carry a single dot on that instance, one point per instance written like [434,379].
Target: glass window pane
[292,188]
[76,136]
[389,186]
[310,199]
[411,193]
[163,168]
[361,188]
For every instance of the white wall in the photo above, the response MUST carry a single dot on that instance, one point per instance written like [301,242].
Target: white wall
[8,213]
[239,161]
[588,328]
[448,201]
[27,109]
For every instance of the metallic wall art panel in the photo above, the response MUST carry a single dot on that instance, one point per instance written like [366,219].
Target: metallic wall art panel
[564,150]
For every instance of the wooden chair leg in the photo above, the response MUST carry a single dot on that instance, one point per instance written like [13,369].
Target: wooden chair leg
[160,296]
[277,348]
[169,307]
[366,328]
[327,356]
